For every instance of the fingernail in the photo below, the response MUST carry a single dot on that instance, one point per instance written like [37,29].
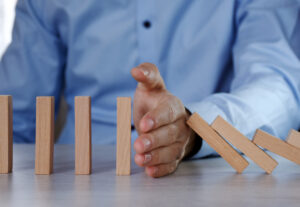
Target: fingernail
[149,124]
[146,143]
[147,158]
[145,71]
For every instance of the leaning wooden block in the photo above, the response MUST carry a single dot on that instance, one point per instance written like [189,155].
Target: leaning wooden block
[238,162]
[83,138]
[44,139]
[277,146]
[123,136]
[242,143]
[6,134]
[294,138]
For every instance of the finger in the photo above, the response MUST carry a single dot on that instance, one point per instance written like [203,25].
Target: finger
[148,76]
[161,170]
[159,156]
[161,137]
[165,113]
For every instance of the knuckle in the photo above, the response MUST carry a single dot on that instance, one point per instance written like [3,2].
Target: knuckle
[171,113]
[178,105]
[178,151]
[172,132]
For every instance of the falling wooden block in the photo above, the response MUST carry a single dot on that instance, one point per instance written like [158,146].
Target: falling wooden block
[277,146]
[6,134]
[123,136]
[238,162]
[294,138]
[242,143]
[44,139]
[83,138]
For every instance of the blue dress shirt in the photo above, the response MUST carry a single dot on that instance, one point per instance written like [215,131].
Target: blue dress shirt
[234,58]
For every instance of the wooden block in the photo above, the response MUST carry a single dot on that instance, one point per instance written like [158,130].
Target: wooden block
[294,138]
[83,137]
[6,134]
[123,161]
[277,146]
[238,162]
[44,138]
[242,143]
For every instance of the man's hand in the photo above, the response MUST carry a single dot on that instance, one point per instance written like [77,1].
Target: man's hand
[160,120]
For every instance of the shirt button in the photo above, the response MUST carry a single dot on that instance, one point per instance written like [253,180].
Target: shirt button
[147,24]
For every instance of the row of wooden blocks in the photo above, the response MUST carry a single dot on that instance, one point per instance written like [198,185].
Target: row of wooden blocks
[220,132]
[44,146]
[216,135]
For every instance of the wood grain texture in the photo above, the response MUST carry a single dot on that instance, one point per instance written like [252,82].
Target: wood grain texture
[44,139]
[277,146]
[238,162]
[83,137]
[6,134]
[123,161]
[242,143]
[294,138]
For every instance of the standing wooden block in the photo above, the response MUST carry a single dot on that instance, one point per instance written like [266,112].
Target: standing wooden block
[44,137]
[241,142]
[238,162]
[294,138]
[277,146]
[83,137]
[123,136]
[6,134]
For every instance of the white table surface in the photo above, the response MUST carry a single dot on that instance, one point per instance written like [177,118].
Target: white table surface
[205,182]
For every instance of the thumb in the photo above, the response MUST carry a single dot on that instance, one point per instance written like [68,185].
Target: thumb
[148,76]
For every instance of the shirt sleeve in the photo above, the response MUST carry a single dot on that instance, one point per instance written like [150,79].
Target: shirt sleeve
[264,93]
[32,66]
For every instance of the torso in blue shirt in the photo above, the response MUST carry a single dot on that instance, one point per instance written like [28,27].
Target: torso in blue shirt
[89,47]
[106,40]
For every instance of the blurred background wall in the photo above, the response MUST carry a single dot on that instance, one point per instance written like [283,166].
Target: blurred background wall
[7,16]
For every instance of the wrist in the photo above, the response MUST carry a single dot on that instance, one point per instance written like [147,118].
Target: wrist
[194,141]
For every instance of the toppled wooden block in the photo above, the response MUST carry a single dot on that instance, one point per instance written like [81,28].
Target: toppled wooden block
[123,160]
[44,139]
[277,146]
[238,162]
[294,138]
[242,143]
[6,134]
[83,137]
